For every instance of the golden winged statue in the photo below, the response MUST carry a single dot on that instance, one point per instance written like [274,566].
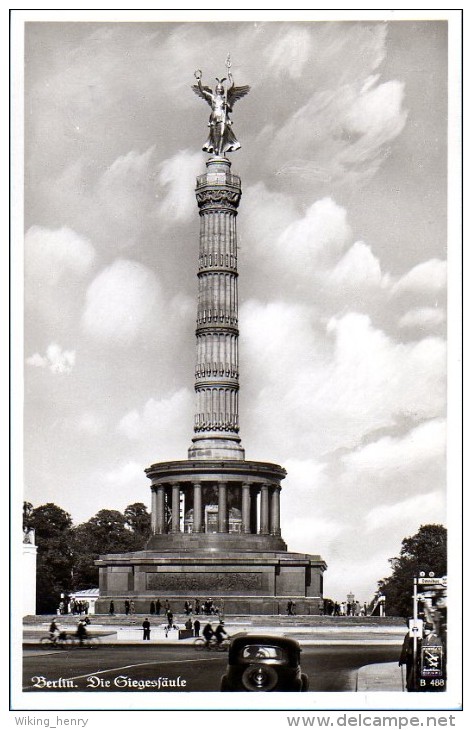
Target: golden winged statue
[221,138]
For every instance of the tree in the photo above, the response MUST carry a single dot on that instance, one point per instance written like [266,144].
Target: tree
[52,526]
[426,551]
[138,520]
[106,532]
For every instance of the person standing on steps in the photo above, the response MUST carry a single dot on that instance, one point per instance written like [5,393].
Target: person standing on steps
[146,629]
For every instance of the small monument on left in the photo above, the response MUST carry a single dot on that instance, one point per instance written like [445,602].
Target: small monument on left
[30,550]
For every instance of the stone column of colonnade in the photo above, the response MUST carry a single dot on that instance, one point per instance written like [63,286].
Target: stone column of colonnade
[269,507]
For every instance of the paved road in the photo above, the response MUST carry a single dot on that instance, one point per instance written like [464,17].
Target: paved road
[116,668]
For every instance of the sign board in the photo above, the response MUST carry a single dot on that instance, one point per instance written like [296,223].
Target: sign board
[432,581]
[415,628]
[431,661]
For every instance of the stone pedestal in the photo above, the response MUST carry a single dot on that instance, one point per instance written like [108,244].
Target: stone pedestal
[238,582]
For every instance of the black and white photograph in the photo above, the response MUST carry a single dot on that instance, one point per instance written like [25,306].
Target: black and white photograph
[236,258]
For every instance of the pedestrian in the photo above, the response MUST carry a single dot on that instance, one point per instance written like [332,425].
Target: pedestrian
[81,632]
[152,609]
[290,608]
[146,629]
[197,607]
[166,606]
[188,624]
[170,619]
[196,627]
[112,609]
[126,607]
[406,658]
[187,608]
[132,609]
[158,607]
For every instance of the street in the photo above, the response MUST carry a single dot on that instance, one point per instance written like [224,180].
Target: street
[115,668]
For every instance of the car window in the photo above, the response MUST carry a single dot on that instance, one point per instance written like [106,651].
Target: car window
[257,652]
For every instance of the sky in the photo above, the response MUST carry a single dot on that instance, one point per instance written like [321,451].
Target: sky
[342,269]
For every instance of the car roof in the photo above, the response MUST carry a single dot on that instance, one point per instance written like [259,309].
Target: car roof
[264,639]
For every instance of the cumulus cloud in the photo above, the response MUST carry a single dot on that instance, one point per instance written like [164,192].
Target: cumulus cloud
[352,379]
[317,239]
[429,276]
[423,318]
[51,255]
[56,360]
[422,444]
[161,424]
[120,302]
[176,178]
[90,423]
[404,515]
[358,269]
[126,474]
[57,261]
[124,197]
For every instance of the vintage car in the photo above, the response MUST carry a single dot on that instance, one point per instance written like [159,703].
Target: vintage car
[261,663]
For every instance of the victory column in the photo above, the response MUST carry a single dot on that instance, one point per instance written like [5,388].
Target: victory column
[216,517]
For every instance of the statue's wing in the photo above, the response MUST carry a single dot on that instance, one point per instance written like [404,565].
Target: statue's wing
[204,92]
[235,93]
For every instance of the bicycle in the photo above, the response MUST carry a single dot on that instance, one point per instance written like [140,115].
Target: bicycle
[56,641]
[213,645]
[88,642]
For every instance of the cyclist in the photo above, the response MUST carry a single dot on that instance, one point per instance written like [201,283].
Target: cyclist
[220,632]
[207,634]
[53,631]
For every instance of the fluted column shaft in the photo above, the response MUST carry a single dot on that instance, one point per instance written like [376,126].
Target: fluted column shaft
[222,507]
[253,510]
[160,521]
[246,507]
[153,510]
[197,507]
[264,518]
[275,511]
[176,508]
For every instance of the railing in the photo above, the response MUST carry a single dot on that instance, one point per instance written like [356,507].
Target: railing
[218,178]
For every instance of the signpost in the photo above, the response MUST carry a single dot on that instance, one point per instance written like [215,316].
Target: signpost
[428,671]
